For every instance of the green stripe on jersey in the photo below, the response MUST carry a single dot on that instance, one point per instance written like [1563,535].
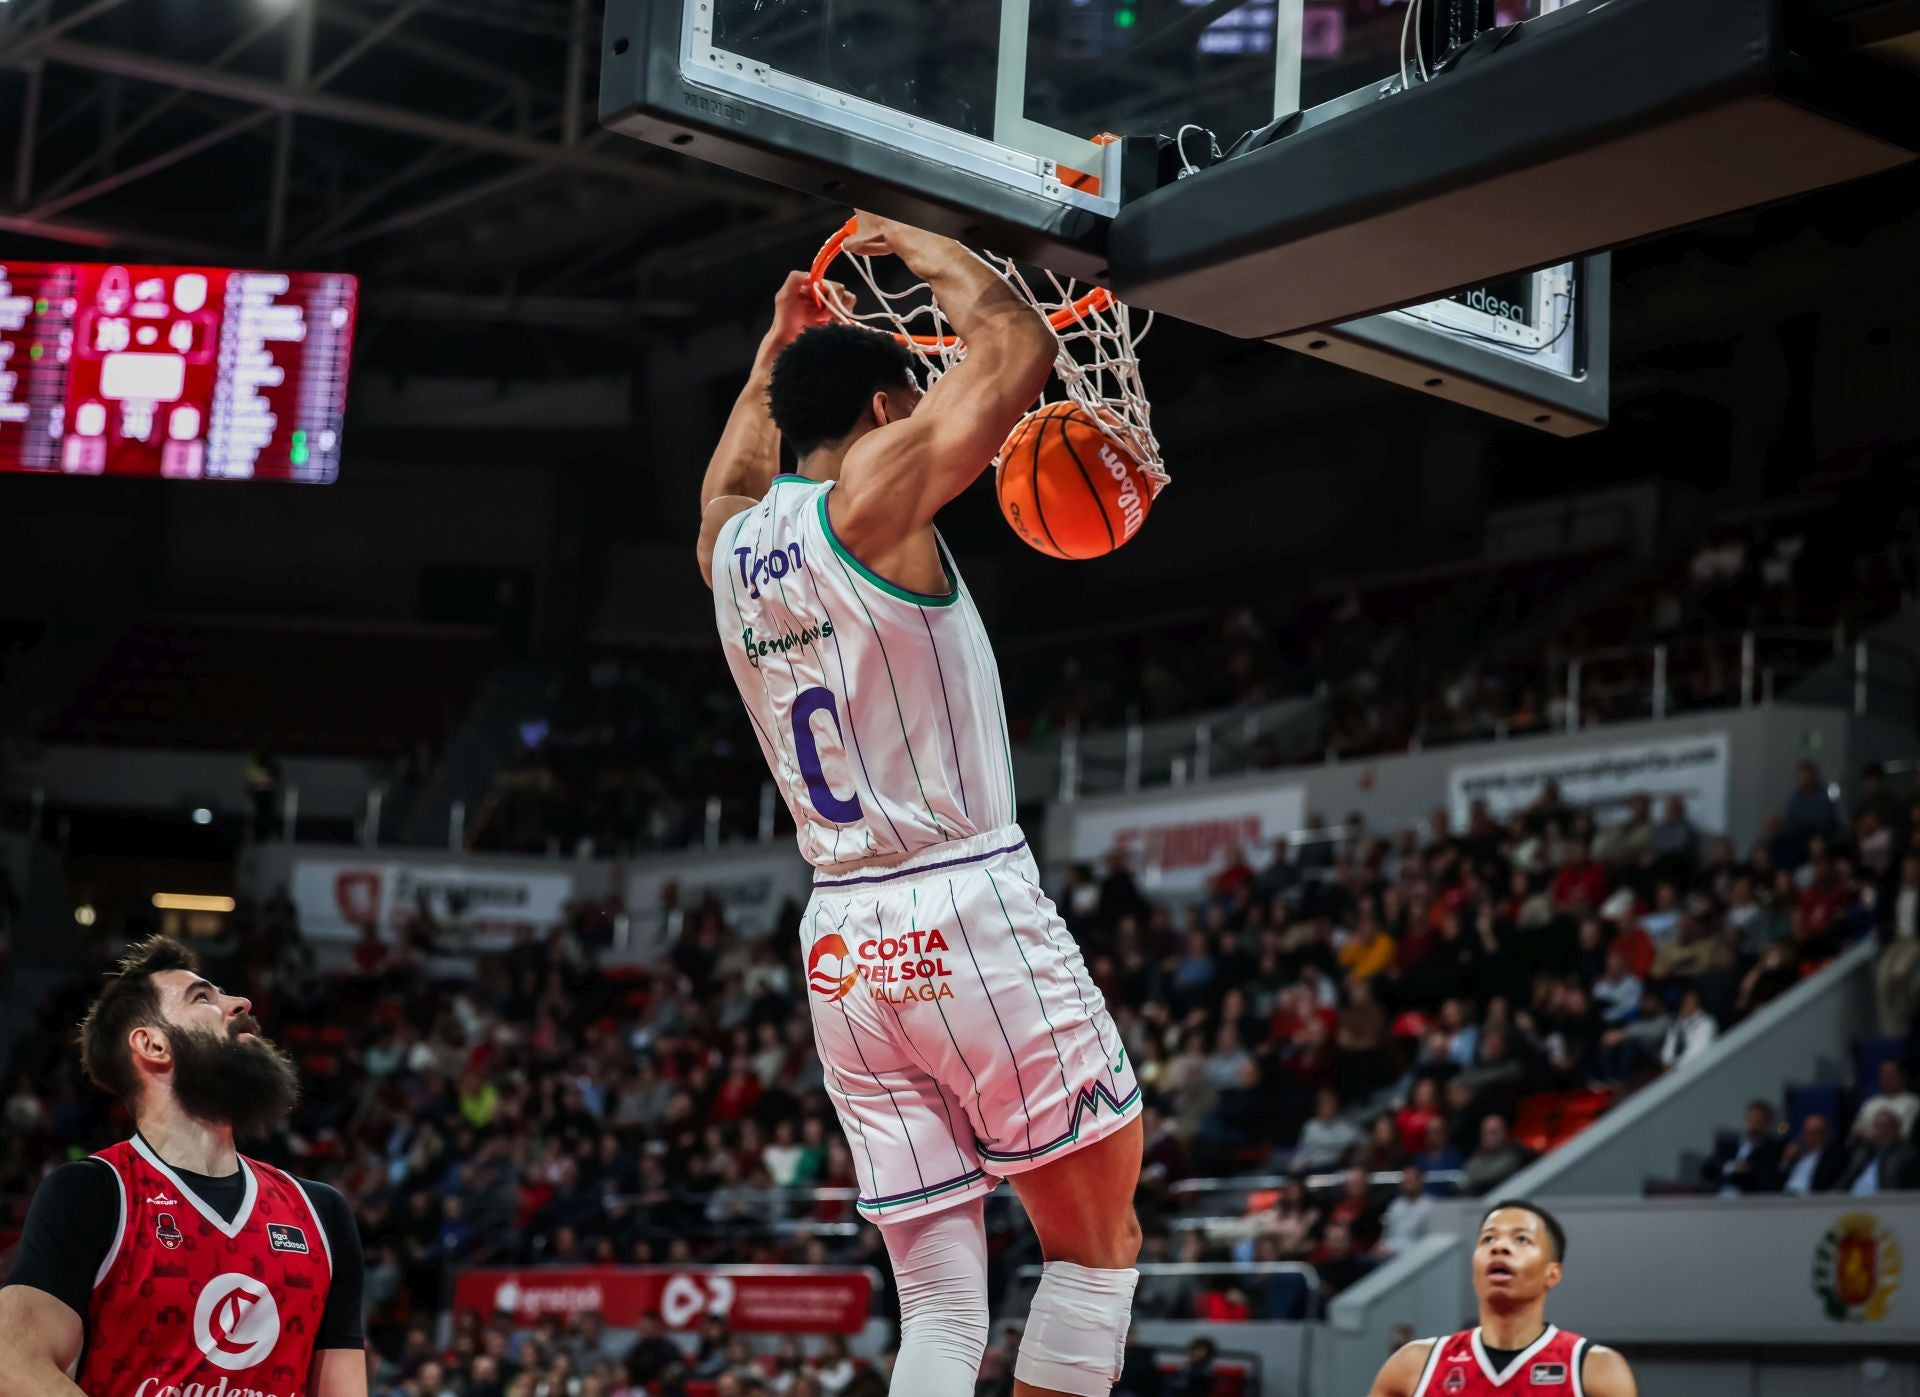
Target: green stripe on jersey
[846,555]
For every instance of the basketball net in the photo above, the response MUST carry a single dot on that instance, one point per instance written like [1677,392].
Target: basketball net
[1097,367]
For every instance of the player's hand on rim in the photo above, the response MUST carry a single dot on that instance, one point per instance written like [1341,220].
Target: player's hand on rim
[874,236]
[797,308]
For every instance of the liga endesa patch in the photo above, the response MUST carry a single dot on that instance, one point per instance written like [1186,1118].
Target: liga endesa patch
[284,1236]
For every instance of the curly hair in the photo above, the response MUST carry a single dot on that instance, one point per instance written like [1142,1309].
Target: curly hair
[127,1002]
[824,380]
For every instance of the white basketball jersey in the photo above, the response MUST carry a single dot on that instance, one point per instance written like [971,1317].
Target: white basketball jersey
[879,709]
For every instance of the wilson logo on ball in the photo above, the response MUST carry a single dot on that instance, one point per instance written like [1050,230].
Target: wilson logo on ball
[1067,487]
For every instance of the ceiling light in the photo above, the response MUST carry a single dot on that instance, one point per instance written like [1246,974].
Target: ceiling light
[191,902]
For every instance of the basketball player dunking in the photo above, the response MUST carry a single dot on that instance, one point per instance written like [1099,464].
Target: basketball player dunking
[1514,1352]
[169,1265]
[962,1038]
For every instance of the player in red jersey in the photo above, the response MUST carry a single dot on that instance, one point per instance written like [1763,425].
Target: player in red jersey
[170,1265]
[1514,1352]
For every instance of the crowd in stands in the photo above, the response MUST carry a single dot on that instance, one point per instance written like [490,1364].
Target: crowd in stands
[1413,662]
[633,744]
[625,756]
[1835,1137]
[1769,1156]
[1424,1006]
[1435,1005]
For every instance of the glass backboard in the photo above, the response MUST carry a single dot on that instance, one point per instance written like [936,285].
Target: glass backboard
[1011,90]
[988,119]
[991,120]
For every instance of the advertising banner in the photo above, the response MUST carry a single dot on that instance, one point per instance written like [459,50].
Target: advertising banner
[1602,779]
[485,907]
[754,1299]
[1173,842]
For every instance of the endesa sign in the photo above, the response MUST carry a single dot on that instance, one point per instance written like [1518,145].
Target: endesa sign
[754,1299]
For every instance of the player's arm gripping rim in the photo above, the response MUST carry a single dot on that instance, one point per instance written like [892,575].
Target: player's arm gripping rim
[1604,1373]
[748,456]
[40,1338]
[896,479]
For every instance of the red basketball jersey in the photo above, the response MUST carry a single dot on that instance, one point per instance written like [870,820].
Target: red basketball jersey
[1459,1367]
[190,1305]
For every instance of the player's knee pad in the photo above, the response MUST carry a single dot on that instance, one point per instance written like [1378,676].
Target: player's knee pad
[940,1271]
[1076,1335]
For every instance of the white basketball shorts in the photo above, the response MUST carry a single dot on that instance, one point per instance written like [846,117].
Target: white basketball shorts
[962,1037]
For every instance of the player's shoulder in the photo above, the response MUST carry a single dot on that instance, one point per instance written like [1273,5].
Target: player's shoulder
[82,1184]
[1400,1375]
[313,1188]
[726,510]
[322,1193]
[329,1205]
[715,517]
[1604,1372]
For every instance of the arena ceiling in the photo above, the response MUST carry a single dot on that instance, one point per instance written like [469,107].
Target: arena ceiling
[447,152]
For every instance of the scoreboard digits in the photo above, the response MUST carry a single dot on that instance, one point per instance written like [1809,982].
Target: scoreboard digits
[186,373]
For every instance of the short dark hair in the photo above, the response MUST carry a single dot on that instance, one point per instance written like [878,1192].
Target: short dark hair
[824,380]
[128,1001]
[1547,1220]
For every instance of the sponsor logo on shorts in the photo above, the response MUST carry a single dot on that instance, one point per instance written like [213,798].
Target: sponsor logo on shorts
[910,968]
[830,973]
[906,969]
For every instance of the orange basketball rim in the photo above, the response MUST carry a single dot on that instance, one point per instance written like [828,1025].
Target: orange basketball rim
[1095,301]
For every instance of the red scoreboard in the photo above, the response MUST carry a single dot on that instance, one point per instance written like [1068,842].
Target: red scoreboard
[189,373]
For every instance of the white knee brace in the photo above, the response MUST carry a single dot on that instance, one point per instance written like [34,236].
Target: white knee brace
[1076,1334]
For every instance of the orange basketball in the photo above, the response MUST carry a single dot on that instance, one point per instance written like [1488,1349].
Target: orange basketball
[1067,488]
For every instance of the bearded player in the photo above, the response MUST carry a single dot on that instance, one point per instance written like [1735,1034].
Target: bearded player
[1514,1352]
[170,1265]
[962,1038]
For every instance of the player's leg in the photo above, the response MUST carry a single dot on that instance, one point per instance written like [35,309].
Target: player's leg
[940,1270]
[920,1179]
[1082,1208]
[1058,1106]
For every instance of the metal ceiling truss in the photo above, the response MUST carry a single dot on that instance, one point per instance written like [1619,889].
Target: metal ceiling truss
[318,190]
